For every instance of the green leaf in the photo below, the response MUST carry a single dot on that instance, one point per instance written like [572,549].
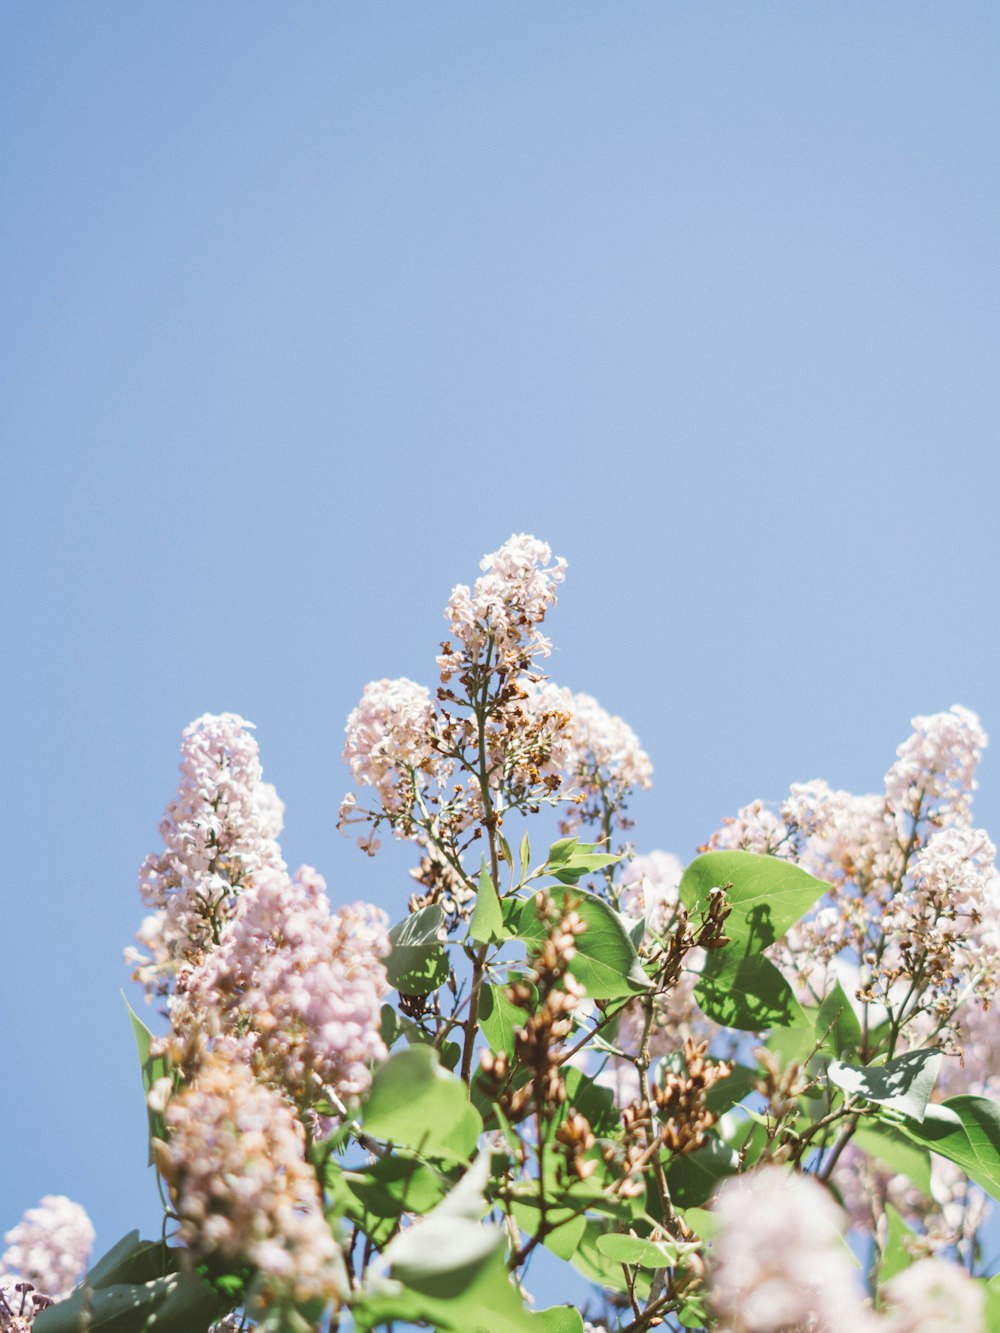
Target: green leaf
[558,1319]
[635,1250]
[966,1130]
[767,895]
[747,993]
[177,1303]
[597,1103]
[991,1301]
[418,963]
[447,1269]
[904,1084]
[837,1024]
[416,1103]
[728,1092]
[525,857]
[702,1222]
[133,1260]
[693,1177]
[895,1256]
[597,1267]
[569,860]
[487,925]
[376,1197]
[153,1067]
[498,1018]
[893,1149]
[567,1230]
[606,963]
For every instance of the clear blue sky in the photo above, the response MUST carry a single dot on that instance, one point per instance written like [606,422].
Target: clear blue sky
[307,306]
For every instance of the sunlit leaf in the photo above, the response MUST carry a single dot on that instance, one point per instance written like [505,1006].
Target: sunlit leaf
[904,1084]
[416,1103]
[767,895]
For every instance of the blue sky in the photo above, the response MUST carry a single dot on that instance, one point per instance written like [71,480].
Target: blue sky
[306,307]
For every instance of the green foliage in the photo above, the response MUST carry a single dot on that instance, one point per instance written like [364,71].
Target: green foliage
[894,1256]
[694,1177]
[136,1286]
[606,962]
[498,1017]
[153,1067]
[904,1084]
[558,1319]
[767,895]
[447,1269]
[487,925]
[569,860]
[894,1150]
[967,1131]
[417,1104]
[636,1250]
[418,963]
[837,1025]
[747,993]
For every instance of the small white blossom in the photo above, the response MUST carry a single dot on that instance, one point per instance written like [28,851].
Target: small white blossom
[241,1186]
[935,768]
[50,1246]
[933,1297]
[779,1257]
[298,989]
[219,831]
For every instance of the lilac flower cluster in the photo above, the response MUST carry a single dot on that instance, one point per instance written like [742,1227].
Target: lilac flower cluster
[501,615]
[780,1263]
[241,1186]
[45,1258]
[219,831]
[914,894]
[296,990]
[501,736]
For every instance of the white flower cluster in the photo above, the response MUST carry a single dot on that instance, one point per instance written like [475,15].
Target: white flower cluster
[241,1185]
[599,754]
[501,737]
[390,747]
[780,1261]
[933,1297]
[935,770]
[297,989]
[219,831]
[501,614]
[947,923]
[49,1248]
[914,892]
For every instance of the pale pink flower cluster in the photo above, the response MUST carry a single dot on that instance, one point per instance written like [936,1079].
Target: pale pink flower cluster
[779,1259]
[390,747]
[948,1219]
[219,831]
[865,1187]
[49,1247]
[501,614]
[913,888]
[933,1297]
[935,770]
[298,989]
[604,762]
[500,737]
[241,1185]
[755,828]
[947,920]
[975,1067]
